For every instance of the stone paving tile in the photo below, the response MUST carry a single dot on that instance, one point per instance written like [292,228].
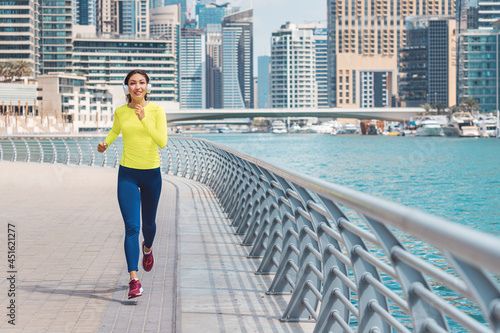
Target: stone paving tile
[72,275]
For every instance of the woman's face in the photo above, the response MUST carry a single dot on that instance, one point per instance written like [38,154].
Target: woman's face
[137,86]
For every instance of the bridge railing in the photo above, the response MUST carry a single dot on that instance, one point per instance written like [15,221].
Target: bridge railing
[351,262]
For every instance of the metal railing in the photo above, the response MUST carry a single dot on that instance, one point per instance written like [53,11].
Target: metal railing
[351,262]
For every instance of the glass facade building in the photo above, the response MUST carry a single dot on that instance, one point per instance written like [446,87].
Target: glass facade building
[192,69]
[84,12]
[237,60]
[210,14]
[321,46]
[365,37]
[56,36]
[19,32]
[263,79]
[478,71]
[428,61]
[107,62]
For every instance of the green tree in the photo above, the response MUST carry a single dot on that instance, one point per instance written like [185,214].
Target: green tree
[469,104]
[439,106]
[454,108]
[6,70]
[21,68]
[427,107]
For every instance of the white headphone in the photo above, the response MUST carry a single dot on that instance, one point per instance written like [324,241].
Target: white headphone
[125,86]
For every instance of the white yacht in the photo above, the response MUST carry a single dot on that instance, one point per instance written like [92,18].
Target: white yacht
[487,127]
[461,124]
[278,127]
[350,129]
[429,127]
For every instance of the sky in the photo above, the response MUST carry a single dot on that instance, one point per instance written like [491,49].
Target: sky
[270,15]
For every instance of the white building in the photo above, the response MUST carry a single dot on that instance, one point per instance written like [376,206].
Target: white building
[293,68]
[68,96]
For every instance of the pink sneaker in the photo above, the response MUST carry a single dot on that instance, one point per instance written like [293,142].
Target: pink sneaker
[147,259]
[135,289]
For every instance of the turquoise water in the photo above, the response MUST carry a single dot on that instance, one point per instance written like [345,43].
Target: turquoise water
[455,178]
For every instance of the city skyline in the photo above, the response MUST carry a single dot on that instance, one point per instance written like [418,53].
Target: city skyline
[269,16]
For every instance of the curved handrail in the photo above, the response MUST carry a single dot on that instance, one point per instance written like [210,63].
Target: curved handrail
[346,257]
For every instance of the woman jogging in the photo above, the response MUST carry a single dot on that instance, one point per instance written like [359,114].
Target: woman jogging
[144,128]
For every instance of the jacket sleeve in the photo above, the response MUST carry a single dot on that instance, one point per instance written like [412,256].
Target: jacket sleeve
[114,132]
[158,131]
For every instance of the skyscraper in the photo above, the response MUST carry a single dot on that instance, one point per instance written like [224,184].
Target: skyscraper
[237,60]
[479,71]
[56,40]
[321,46]
[19,32]
[84,12]
[363,42]
[133,18]
[293,68]
[106,16]
[428,61]
[210,14]
[214,65]
[263,86]
[193,69]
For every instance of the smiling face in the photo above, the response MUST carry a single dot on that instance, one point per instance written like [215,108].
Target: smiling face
[137,86]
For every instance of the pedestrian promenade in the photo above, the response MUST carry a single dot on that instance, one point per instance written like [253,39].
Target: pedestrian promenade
[70,266]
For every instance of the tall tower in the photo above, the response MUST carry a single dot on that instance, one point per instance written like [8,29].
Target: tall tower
[293,68]
[214,65]
[20,41]
[237,60]
[84,12]
[133,18]
[363,42]
[263,87]
[193,69]
[106,16]
[56,40]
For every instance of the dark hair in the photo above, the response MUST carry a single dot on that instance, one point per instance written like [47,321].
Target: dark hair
[129,75]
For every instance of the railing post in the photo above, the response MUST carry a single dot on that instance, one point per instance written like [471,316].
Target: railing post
[14,150]
[42,152]
[28,151]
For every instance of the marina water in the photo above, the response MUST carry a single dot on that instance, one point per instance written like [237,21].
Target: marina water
[454,178]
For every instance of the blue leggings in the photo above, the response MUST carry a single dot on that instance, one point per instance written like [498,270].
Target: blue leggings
[138,189]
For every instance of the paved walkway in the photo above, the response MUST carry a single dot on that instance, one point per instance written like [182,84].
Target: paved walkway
[70,266]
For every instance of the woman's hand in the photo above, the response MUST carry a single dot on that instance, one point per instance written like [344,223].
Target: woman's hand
[101,147]
[139,111]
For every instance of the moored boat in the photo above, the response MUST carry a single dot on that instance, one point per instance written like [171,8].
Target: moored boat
[461,124]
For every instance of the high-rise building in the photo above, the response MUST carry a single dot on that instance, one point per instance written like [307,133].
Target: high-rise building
[214,65]
[321,45]
[193,69]
[479,68]
[56,36]
[293,68]
[428,61]
[106,16]
[263,81]
[164,22]
[106,61]
[184,7]
[84,12]
[19,32]
[210,14]
[237,60]
[133,18]
[363,42]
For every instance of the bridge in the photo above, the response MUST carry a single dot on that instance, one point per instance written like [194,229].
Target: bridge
[242,245]
[391,114]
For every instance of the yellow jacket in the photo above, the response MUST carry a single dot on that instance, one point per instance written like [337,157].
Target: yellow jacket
[141,138]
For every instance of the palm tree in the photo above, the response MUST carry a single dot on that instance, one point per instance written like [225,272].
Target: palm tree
[427,107]
[454,108]
[439,106]
[469,104]
[21,68]
[6,69]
